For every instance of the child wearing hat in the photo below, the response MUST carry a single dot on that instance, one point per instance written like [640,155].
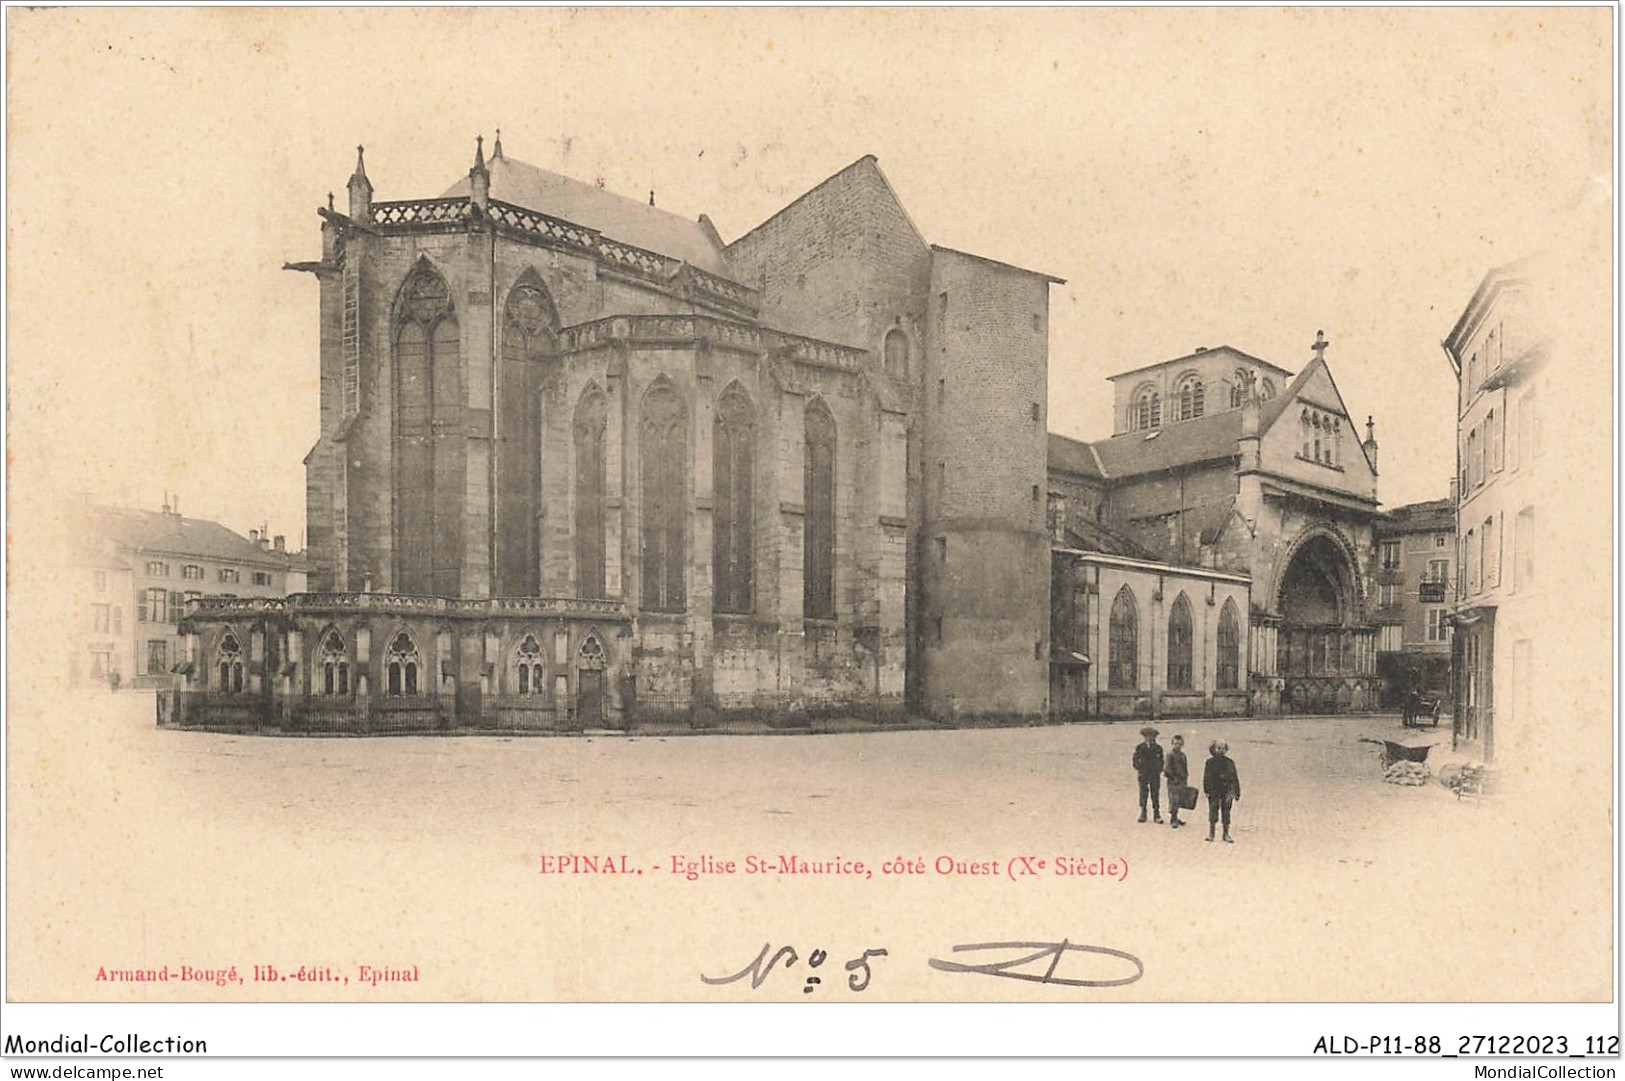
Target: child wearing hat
[1222,785]
[1148,767]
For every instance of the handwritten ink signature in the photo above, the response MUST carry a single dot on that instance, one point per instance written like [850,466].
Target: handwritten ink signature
[1037,953]
[1035,962]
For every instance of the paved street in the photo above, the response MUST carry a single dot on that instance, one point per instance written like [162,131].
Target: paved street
[146,846]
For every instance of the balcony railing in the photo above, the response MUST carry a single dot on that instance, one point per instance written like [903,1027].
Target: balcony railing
[688,328]
[408,604]
[694,283]
[423,212]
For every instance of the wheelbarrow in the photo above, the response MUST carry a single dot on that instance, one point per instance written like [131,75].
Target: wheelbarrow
[1399,752]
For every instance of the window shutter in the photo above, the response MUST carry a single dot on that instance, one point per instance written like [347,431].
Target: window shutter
[174,607]
[141,608]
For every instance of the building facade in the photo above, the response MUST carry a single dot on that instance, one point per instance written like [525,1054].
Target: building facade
[101,652]
[138,572]
[1415,585]
[1230,464]
[1499,350]
[583,465]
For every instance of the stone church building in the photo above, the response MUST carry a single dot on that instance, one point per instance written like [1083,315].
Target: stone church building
[1223,462]
[583,465]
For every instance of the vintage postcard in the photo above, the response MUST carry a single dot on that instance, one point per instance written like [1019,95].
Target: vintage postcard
[520,508]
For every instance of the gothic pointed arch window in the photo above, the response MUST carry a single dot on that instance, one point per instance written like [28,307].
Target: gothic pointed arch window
[896,350]
[663,438]
[1179,645]
[1123,644]
[334,665]
[1189,400]
[591,423]
[591,657]
[818,494]
[1307,432]
[1146,410]
[229,663]
[402,667]
[528,673]
[428,440]
[1266,390]
[529,333]
[732,480]
[1229,641]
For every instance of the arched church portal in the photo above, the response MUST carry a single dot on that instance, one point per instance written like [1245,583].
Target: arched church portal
[1323,654]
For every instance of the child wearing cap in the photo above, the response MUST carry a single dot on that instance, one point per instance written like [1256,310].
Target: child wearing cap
[1222,785]
[1148,767]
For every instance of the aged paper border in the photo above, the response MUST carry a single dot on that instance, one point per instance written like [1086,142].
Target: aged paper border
[36,480]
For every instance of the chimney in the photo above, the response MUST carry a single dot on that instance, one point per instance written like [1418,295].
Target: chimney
[1455,493]
[280,543]
[360,190]
[1371,442]
[254,536]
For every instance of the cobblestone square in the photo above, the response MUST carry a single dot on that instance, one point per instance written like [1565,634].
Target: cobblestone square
[218,849]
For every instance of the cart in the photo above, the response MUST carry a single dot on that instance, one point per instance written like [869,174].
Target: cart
[1417,709]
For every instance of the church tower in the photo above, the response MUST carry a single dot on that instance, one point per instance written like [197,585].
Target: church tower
[984,559]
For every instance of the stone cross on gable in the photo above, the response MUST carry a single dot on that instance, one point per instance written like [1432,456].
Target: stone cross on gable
[1320,345]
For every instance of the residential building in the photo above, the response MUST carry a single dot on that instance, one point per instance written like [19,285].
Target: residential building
[1415,591]
[153,565]
[101,649]
[1500,349]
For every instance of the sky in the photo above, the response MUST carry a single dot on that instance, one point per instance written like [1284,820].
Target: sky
[1198,176]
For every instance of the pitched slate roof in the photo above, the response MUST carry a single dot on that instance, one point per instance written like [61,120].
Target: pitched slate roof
[1432,516]
[617,217]
[1074,456]
[1187,442]
[1087,536]
[156,531]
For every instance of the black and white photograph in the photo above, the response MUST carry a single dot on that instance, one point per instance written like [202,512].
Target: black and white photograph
[692,514]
